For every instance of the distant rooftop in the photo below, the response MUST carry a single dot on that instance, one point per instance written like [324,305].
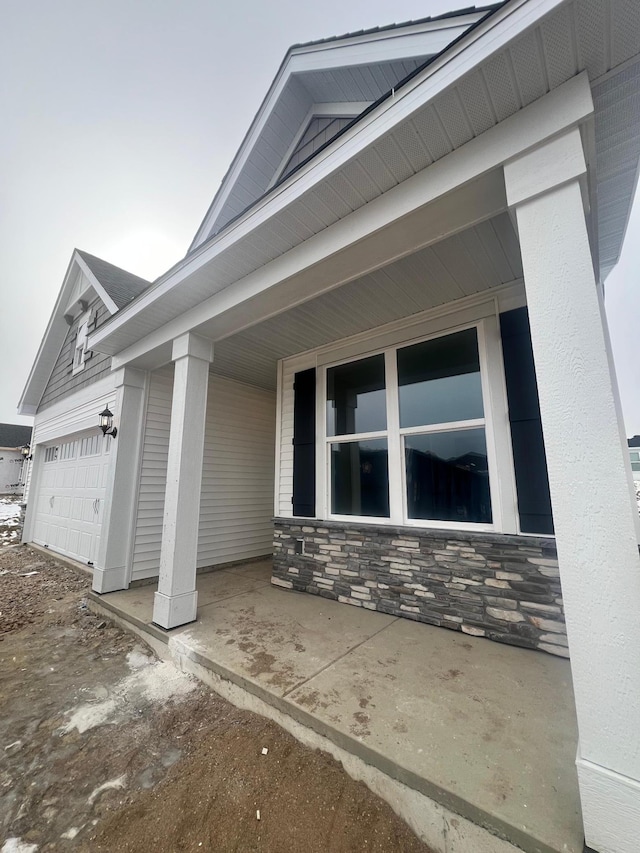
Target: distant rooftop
[122,286]
[14,435]
[635,441]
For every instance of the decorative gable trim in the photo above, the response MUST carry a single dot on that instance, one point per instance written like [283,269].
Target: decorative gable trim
[73,300]
[417,41]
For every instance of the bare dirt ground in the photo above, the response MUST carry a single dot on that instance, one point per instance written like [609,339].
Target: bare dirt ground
[105,748]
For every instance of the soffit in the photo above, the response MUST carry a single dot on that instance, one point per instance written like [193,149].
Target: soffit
[302,92]
[581,35]
[475,260]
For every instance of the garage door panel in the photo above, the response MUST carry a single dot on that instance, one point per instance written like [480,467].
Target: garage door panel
[93,476]
[76,509]
[73,541]
[70,500]
[88,510]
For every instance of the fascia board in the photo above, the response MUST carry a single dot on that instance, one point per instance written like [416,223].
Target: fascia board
[566,106]
[485,40]
[423,40]
[110,305]
[55,331]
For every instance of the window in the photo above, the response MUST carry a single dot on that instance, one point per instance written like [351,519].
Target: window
[91,445]
[51,454]
[67,450]
[80,348]
[406,434]
[442,430]
[356,424]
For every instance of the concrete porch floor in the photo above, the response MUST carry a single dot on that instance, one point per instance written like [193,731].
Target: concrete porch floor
[486,730]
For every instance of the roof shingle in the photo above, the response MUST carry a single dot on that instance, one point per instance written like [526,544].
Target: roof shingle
[122,286]
[14,435]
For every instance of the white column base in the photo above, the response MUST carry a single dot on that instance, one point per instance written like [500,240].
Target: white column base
[610,808]
[171,611]
[109,580]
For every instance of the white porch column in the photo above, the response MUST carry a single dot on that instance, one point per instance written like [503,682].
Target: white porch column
[111,569]
[596,521]
[176,599]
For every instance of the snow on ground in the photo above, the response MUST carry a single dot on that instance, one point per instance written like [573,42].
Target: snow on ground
[9,520]
[151,682]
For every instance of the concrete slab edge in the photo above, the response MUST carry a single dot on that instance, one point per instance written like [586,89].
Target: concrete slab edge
[60,558]
[441,819]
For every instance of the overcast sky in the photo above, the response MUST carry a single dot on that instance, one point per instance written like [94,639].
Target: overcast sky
[118,120]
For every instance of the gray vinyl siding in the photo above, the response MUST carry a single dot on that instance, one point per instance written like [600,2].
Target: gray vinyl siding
[61,382]
[319,131]
[236,505]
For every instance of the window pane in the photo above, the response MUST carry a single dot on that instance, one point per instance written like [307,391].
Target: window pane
[356,398]
[360,478]
[448,476]
[440,380]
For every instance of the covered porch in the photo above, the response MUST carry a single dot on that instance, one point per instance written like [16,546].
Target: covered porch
[499,224]
[471,741]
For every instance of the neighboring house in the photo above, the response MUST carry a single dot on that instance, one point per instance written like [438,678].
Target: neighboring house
[634,456]
[12,438]
[388,333]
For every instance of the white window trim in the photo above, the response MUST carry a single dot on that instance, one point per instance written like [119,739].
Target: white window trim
[495,422]
[82,337]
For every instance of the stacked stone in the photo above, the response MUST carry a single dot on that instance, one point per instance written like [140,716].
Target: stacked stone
[503,587]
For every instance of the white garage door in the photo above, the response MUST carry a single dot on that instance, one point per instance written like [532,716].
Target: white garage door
[71,495]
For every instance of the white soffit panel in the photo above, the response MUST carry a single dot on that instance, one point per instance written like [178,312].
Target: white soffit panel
[475,260]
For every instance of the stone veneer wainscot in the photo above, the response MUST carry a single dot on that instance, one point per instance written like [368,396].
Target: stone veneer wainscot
[503,587]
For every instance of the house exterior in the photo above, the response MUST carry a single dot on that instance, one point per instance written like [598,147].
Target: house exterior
[384,359]
[634,456]
[12,438]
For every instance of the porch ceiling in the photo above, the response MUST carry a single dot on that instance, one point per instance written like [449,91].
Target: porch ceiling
[474,260]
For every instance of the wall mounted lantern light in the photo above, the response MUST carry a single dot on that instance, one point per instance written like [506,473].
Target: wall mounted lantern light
[105,421]
[26,452]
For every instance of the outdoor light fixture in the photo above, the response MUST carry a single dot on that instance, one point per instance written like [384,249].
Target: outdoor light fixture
[105,421]
[26,451]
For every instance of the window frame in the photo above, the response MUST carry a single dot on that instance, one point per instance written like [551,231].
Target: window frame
[80,344]
[395,436]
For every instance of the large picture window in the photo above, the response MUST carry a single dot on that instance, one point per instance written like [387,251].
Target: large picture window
[415,412]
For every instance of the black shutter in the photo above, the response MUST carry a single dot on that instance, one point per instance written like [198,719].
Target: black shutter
[304,443]
[532,482]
